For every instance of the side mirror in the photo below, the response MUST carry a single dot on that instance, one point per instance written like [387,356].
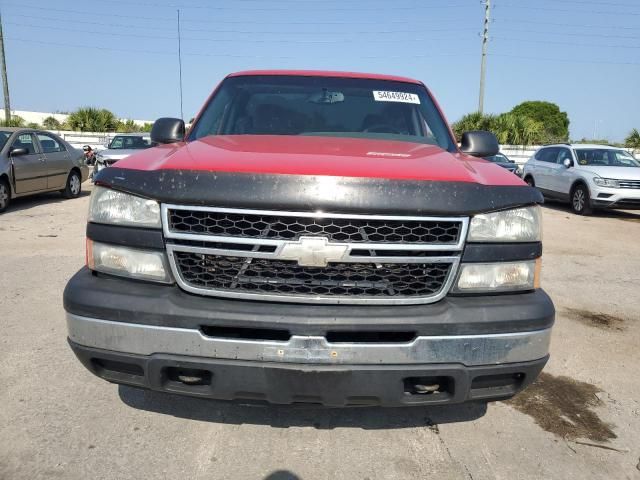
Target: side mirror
[479,143]
[167,130]
[16,152]
[568,163]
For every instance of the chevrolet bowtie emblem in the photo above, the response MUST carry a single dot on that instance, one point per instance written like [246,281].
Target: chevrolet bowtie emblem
[312,251]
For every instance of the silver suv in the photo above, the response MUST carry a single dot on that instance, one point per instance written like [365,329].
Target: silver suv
[587,176]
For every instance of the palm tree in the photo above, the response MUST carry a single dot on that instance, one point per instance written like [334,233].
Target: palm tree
[509,128]
[92,119]
[633,139]
[472,121]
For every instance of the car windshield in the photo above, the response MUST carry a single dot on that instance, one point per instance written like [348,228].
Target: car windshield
[605,157]
[499,158]
[4,136]
[323,106]
[122,142]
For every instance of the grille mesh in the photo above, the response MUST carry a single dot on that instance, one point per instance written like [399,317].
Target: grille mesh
[265,276]
[352,230]
[629,183]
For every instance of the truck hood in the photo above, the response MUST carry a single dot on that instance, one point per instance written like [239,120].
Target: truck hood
[340,175]
[320,155]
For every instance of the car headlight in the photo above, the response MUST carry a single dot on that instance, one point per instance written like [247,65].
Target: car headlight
[515,225]
[498,277]
[606,182]
[119,208]
[128,262]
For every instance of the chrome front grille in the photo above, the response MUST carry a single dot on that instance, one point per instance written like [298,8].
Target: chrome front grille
[313,257]
[629,183]
[276,226]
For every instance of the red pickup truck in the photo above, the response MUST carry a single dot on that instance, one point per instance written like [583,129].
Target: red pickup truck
[315,237]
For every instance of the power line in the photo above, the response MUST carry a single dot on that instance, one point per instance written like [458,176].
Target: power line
[611,4]
[75,30]
[226,55]
[571,34]
[217,21]
[563,60]
[574,25]
[235,30]
[598,12]
[250,9]
[590,45]
[226,40]
[309,5]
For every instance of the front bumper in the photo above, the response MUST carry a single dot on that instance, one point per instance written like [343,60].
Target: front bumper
[473,348]
[329,385]
[623,198]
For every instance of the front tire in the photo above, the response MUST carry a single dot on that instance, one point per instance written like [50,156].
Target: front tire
[5,195]
[580,200]
[73,187]
[529,181]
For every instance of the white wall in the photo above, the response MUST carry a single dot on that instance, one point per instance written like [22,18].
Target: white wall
[38,117]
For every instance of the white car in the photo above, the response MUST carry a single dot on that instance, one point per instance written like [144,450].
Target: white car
[587,176]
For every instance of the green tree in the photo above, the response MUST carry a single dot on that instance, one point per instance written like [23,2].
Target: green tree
[34,125]
[633,139]
[16,121]
[127,126]
[555,122]
[147,127]
[52,123]
[92,120]
[472,121]
[508,128]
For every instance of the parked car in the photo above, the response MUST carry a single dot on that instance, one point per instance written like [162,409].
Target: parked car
[505,162]
[34,161]
[316,237]
[586,176]
[123,145]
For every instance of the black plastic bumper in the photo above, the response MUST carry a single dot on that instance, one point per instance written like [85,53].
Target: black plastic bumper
[330,385]
[121,300]
[623,204]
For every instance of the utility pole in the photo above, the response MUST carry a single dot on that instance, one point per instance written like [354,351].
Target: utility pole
[485,41]
[180,65]
[5,84]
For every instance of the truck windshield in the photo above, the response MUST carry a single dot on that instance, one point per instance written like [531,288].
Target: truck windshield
[323,106]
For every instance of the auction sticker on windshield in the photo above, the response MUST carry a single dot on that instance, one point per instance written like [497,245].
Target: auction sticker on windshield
[384,96]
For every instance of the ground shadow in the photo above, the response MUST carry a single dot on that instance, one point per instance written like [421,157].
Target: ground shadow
[284,416]
[282,475]
[621,214]
[31,201]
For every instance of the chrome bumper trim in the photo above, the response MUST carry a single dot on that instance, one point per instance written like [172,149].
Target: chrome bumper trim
[468,350]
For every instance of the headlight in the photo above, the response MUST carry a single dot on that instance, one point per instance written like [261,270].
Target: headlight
[606,182]
[118,208]
[128,262]
[498,277]
[516,225]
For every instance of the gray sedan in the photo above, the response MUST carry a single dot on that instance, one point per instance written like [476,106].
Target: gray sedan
[35,161]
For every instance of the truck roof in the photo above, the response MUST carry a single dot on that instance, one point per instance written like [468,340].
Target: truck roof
[325,73]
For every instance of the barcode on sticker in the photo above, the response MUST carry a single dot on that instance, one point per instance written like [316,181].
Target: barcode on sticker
[384,96]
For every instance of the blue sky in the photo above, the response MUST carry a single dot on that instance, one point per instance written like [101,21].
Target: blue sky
[583,55]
